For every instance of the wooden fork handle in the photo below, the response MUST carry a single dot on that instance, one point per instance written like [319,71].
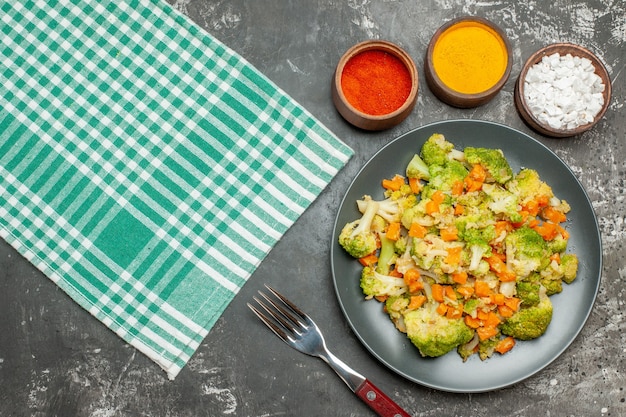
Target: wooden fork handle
[379,401]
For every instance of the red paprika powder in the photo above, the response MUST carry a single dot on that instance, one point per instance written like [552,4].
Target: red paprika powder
[376,82]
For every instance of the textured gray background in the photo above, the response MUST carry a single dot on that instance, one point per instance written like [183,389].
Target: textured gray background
[57,360]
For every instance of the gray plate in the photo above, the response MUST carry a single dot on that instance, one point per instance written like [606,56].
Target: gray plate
[571,307]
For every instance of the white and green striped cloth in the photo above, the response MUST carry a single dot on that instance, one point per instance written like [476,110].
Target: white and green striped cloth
[145,167]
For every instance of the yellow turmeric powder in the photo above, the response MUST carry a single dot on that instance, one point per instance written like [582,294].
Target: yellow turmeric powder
[470,57]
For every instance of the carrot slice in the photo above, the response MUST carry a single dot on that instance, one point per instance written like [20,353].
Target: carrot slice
[459,277]
[416,302]
[482,289]
[437,292]
[547,230]
[497,299]
[442,309]
[503,226]
[504,345]
[417,230]
[513,303]
[466,292]
[498,266]
[395,273]
[475,179]
[478,173]
[435,201]
[454,312]
[393,184]
[471,322]
[449,292]
[532,207]
[492,320]
[416,185]
[454,255]
[449,234]
[412,278]
[457,188]
[369,260]
[505,311]
[393,231]
[485,333]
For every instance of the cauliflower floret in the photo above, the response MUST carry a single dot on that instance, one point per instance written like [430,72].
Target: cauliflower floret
[569,265]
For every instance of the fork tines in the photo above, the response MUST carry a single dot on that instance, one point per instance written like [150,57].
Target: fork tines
[284,317]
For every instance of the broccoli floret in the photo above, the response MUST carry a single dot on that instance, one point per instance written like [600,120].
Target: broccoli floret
[473,199]
[470,306]
[476,245]
[528,291]
[417,168]
[476,222]
[374,284]
[409,215]
[528,186]
[395,307]
[569,265]
[492,160]
[443,177]
[386,256]
[470,231]
[551,278]
[487,347]
[552,286]
[503,202]
[436,149]
[400,245]
[468,349]
[433,334]
[529,323]
[526,251]
[558,244]
[403,197]
[357,237]
[555,273]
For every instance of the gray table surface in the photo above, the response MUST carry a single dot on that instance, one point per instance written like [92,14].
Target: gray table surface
[57,360]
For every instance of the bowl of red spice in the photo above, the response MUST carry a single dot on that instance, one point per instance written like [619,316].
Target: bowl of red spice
[375,85]
[468,61]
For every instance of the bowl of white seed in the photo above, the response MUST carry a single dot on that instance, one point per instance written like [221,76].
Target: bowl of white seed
[562,90]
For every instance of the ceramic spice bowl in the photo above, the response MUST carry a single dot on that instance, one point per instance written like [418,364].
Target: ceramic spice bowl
[375,85]
[468,61]
[562,90]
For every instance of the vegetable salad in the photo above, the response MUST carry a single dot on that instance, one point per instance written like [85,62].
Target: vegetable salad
[463,253]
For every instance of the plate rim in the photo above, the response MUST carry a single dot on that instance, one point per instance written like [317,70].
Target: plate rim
[595,275]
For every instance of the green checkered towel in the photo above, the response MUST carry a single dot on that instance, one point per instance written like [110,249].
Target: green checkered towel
[145,167]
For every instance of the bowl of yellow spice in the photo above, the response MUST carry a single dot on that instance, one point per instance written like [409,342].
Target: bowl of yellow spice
[468,61]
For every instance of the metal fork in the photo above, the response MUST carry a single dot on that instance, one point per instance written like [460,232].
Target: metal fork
[299,331]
